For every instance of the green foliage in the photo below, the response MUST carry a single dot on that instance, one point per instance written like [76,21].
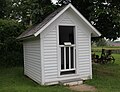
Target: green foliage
[27,13]
[103,14]
[81,5]
[10,47]
[31,12]
[2,6]
[6,8]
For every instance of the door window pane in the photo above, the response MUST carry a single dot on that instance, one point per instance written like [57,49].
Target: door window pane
[62,57]
[72,58]
[66,34]
[67,57]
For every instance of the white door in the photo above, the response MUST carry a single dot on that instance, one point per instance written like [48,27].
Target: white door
[67,50]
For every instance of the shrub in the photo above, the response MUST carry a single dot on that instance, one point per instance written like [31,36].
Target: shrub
[10,48]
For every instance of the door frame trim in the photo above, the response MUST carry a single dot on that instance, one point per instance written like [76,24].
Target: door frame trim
[59,51]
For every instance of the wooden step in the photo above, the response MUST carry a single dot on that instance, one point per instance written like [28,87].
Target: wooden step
[74,81]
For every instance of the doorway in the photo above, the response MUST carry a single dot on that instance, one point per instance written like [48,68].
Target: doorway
[67,49]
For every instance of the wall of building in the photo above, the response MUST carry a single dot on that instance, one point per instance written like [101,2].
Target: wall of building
[32,59]
[50,46]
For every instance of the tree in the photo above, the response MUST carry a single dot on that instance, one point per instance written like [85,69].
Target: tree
[10,48]
[16,16]
[2,6]
[5,8]
[28,12]
[81,5]
[103,14]
[31,12]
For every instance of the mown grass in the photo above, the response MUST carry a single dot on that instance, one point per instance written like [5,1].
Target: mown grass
[106,48]
[13,80]
[106,78]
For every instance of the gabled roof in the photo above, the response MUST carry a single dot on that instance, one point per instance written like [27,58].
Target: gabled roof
[36,30]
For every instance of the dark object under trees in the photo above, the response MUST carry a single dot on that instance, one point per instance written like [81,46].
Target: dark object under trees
[106,57]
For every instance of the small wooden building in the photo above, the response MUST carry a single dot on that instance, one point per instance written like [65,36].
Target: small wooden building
[59,48]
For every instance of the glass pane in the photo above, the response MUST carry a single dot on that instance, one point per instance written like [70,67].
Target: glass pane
[72,58]
[67,57]
[62,57]
[66,34]
[67,72]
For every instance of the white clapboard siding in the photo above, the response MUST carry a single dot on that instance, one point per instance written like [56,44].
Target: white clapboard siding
[83,53]
[83,45]
[66,20]
[32,63]
[50,48]
[50,54]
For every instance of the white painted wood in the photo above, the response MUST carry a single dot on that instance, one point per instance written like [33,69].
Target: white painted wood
[58,52]
[83,43]
[42,56]
[32,63]
[90,57]
[38,32]
[68,69]
[69,6]
[85,20]
[42,61]
[51,50]
[83,53]
[74,61]
[50,68]
[76,54]
[50,56]
[67,46]
[66,21]
[63,77]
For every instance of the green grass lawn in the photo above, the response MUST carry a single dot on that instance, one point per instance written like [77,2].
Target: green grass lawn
[13,80]
[106,78]
[107,48]
[99,49]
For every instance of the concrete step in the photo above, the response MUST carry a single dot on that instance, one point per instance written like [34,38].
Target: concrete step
[71,82]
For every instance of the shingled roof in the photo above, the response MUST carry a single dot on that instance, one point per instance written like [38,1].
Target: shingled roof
[36,30]
[31,31]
